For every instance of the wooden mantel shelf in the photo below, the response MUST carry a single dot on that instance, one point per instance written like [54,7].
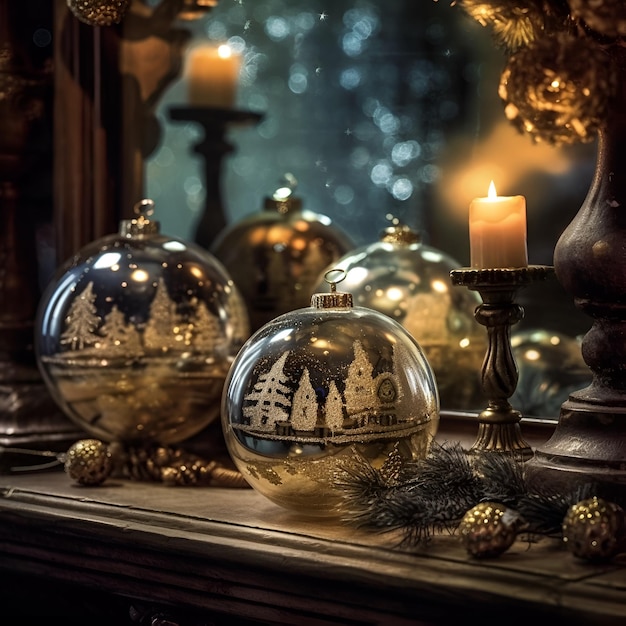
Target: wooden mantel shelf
[200,555]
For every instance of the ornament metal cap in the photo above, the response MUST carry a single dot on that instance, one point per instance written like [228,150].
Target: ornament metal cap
[142,224]
[400,233]
[282,199]
[335,299]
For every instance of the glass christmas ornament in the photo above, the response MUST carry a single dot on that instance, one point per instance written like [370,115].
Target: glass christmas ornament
[550,367]
[275,256]
[410,282]
[322,389]
[137,332]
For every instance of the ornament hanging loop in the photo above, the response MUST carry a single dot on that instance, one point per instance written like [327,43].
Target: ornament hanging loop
[340,275]
[142,224]
[144,207]
[335,299]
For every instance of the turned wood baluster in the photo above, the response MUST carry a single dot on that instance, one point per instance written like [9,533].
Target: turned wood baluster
[589,442]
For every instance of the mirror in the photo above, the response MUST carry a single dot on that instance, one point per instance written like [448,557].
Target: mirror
[378,108]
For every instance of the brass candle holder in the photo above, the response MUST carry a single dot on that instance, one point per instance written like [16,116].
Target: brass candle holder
[499,424]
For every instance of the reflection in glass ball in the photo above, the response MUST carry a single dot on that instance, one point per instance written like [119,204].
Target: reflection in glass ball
[410,282]
[550,366]
[317,390]
[136,334]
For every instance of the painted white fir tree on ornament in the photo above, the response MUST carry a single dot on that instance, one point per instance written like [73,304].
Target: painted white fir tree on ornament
[304,406]
[270,396]
[360,391]
[81,321]
[204,327]
[118,335]
[163,328]
[333,414]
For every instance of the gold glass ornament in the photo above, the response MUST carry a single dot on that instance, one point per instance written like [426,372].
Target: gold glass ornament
[136,334]
[489,529]
[99,12]
[89,462]
[410,282]
[275,256]
[322,388]
[594,529]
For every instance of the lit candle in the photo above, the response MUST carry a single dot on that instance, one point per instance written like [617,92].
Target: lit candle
[498,231]
[212,73]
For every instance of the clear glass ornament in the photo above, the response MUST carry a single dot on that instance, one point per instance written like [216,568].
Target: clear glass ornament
[276,255]
[410,282]
[135,335]
[323,388]
[550,367]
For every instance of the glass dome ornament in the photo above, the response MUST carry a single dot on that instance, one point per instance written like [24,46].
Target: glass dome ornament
[551,367]
[276,255]
[135,335]
[410,282]
[320,390]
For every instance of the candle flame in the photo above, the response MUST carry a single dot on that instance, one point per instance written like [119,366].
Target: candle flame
[224,51]
[492,191]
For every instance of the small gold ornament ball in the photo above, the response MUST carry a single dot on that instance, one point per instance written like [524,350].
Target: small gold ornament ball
[488,529]
[89,462]
[99,12]
[593,529]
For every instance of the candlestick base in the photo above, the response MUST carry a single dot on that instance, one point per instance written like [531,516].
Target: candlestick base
[213,147]
[499,424]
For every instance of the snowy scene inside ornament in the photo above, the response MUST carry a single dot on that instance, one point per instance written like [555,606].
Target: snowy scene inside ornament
[136,334]
[319,389]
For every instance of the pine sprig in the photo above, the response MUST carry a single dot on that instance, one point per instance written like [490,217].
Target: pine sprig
[560,69]
[433,494]
[544,510]
[502,477]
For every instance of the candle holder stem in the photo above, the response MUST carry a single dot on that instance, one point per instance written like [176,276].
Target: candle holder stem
[499,424]
[213,147]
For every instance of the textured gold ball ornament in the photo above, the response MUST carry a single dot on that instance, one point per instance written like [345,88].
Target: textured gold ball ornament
[593,529]
[99,12]
[489,529]
[89,462]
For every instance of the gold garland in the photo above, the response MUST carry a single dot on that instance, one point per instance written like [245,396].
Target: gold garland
[560,74]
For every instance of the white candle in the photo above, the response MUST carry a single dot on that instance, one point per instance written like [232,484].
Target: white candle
[212,74]
[497,227]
